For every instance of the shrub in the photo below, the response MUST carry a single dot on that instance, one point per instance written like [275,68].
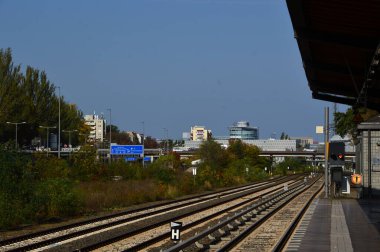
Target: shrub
[56,198]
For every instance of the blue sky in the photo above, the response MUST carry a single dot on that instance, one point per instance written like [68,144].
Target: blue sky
[170,63]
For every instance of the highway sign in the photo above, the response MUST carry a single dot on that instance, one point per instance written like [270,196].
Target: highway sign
[127,149]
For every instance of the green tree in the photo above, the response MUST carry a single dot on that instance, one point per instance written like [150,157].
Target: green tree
[290,165]
[346,123]
[214,162]
[32,98]
[284,136]
[84,165]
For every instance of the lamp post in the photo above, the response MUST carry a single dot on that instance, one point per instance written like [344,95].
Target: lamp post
[110,133]
[166,139]
[69,131]
[16,124]
[47,137]
[59,122]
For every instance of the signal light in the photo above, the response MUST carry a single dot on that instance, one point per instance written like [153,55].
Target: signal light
[336,153]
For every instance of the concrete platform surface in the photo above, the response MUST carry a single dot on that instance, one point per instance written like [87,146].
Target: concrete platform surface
[342,225]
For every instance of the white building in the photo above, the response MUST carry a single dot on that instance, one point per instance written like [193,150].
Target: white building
[269,144]
[97,127]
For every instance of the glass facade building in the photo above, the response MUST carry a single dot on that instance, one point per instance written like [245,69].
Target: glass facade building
[242,130]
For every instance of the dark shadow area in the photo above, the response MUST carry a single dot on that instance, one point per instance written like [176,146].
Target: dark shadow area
[363,221]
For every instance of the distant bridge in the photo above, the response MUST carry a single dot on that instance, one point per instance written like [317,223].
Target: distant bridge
[312,154]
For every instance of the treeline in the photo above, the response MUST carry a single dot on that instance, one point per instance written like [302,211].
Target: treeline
[239,163]
[30,97]
[35,188]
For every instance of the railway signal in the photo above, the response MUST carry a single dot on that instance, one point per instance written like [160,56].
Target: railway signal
[336,153]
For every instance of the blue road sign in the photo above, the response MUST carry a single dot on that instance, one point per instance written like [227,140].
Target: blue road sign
[127,149]
[130,159]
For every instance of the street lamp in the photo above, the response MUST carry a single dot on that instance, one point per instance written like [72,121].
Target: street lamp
[109,109]
[166,139]
[69,131]
[110,124]
[47,137]
[16,124]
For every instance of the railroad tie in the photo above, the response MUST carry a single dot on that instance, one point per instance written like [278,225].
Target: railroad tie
[199,245]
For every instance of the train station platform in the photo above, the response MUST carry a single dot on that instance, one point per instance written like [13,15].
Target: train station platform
[342,225]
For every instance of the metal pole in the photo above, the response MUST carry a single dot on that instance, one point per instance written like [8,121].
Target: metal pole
[16,128]
[143,136]
[369,165]
[16,138]
[165,140]
[70,138]
[47,142]
[47,137]
[109,160]
[326,131]
[110,124]
[59,122]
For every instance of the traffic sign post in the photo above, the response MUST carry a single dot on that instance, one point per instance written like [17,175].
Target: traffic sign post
[175,231]
[127,149]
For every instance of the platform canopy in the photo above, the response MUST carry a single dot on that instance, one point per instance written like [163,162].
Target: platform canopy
[339,45]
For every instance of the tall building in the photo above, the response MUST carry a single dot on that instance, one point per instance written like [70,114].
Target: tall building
[200,133]
[97,125]
[242,130]
[194,138]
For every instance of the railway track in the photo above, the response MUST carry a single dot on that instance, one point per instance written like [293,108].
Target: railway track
[264,226]
[99,231]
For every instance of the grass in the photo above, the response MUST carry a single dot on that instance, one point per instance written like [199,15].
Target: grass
[102,195]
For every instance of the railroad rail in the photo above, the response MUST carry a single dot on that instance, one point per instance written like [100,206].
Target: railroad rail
[227,234]
[92,231]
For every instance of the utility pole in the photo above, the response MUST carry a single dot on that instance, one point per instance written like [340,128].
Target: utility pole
[326,131]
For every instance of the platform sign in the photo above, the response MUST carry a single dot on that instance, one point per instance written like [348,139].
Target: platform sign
[175,230]
[127,149]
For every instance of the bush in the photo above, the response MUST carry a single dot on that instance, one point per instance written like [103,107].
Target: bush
[49,167]
[56,198]
[16,189]
[84,164]
[34,190]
